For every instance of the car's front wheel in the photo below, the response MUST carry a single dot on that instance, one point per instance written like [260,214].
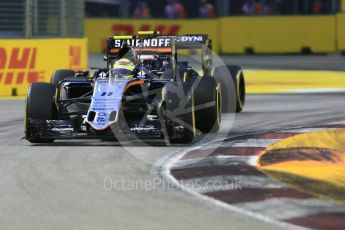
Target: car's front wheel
[207,94]
[39,107]
[179,98]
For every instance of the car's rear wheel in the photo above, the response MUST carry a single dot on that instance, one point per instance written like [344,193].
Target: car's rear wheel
[238,79]
[39,106]
[60,75]
[232,84]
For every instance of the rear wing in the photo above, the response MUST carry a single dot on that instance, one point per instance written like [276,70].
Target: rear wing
[158,43]
[153,43]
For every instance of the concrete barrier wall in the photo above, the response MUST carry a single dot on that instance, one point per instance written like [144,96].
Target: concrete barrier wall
[23,61]
[275,34]
[261,34]
[341,32]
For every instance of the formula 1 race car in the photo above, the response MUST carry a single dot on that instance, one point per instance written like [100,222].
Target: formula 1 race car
[145,92]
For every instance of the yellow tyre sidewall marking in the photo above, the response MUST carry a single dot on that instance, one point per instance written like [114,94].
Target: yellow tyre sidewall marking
[238,75]
[193,114]
[218,104]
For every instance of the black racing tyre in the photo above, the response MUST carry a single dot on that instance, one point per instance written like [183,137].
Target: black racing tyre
[238,79]
[40,106]
[232,84]
[179,108]
[228,89]
[207,94]
[60,75]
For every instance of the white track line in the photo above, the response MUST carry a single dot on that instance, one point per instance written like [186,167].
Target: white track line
[225,183]
[305,130]
[237,143]
[216,161]
[337,123]
[289,208]
[164,165]
[251,143]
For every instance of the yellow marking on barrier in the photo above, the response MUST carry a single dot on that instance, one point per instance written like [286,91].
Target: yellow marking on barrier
[284,81]
[321,171]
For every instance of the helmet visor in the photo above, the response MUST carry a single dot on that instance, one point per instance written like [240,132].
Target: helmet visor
[120,72]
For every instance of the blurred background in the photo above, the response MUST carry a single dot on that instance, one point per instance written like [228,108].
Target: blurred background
[157,9]
[292,54]
[72,33]
[49,17]
[240,26]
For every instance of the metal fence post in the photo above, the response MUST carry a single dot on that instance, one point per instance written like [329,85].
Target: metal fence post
[28,19]
[295,6]
[63,19]
[335,6]
[124,11]
[263,6]
[35,16]
[306,7]
[223,7]
[81,19]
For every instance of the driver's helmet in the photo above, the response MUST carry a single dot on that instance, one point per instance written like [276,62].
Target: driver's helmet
[122,68]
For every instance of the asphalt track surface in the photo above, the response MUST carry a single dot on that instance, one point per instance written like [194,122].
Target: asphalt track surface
[61,186]
[296,62]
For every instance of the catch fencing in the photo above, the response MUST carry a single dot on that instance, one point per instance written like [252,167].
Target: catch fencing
[41,18]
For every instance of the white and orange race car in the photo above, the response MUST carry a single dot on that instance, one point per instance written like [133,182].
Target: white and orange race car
[145,91]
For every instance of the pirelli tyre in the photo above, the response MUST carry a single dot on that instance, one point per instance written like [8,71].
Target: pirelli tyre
[39,106]
[233,88]
[207,94]
[60,75]
[239,82]
[178,100]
